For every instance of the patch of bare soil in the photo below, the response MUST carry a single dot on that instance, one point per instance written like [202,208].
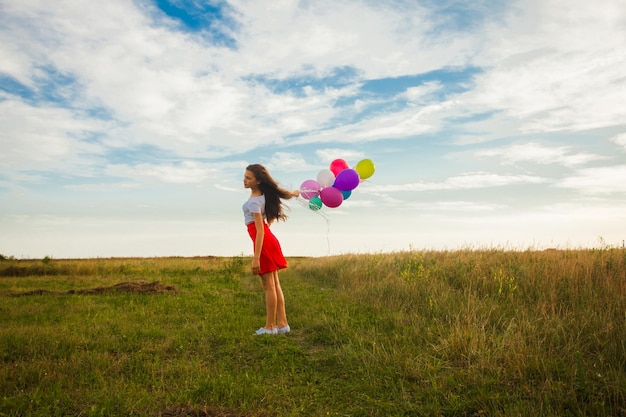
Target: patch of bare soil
[139,287]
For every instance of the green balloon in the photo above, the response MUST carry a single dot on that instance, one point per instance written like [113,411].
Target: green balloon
[315,203]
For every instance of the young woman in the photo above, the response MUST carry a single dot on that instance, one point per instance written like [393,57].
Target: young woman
[262,208]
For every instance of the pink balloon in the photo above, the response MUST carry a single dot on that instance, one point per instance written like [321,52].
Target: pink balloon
[338,165]
[347,180]
[331,197]
[309,189]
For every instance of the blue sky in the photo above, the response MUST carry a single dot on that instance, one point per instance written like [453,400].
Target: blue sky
[125,126]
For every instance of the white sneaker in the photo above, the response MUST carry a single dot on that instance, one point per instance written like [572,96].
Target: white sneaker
[283,330]
[263,330]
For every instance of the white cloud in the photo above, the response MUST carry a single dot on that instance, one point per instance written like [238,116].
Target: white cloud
[102,186]
[46,138]
[421,93]
[286,161]
[404,123]
[187,172]
[620,140]
[161,87]
[15,61]
[557,66]
[177,92]
[601,180]
[487,179]
[535,152]
[377,39]
[455,206]
[327,155]
[466,181]
[229,189]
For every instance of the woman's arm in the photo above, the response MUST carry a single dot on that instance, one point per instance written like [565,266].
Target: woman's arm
[258,242]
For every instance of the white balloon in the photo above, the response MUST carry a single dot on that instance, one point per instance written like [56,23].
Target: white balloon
[326,178]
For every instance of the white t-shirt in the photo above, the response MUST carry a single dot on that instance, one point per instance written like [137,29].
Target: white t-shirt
[253,205]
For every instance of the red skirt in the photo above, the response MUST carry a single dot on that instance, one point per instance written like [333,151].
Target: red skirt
[272,258]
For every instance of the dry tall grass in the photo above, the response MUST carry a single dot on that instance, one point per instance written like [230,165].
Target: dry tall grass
[546,327]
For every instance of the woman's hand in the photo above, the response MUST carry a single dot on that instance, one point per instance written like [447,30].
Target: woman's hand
[255,267]
[295,193]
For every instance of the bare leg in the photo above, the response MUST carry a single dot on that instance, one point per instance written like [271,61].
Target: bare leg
[270,299]
[281,313]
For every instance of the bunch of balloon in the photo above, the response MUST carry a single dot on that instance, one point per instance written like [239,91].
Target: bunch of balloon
[335,184]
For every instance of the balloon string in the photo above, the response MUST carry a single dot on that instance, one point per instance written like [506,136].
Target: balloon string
[309,190]
[305,203]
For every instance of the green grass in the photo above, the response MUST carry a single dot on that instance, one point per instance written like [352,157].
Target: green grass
[463,333]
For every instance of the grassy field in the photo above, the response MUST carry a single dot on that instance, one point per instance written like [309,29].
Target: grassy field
[461,333]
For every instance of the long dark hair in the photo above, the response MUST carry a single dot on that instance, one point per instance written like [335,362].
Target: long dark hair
[272,191]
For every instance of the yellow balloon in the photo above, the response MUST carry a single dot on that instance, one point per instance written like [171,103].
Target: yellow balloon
[365,168]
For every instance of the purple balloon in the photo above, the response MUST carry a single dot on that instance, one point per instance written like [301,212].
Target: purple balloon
[331,197]
[347,180]
[309,189]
